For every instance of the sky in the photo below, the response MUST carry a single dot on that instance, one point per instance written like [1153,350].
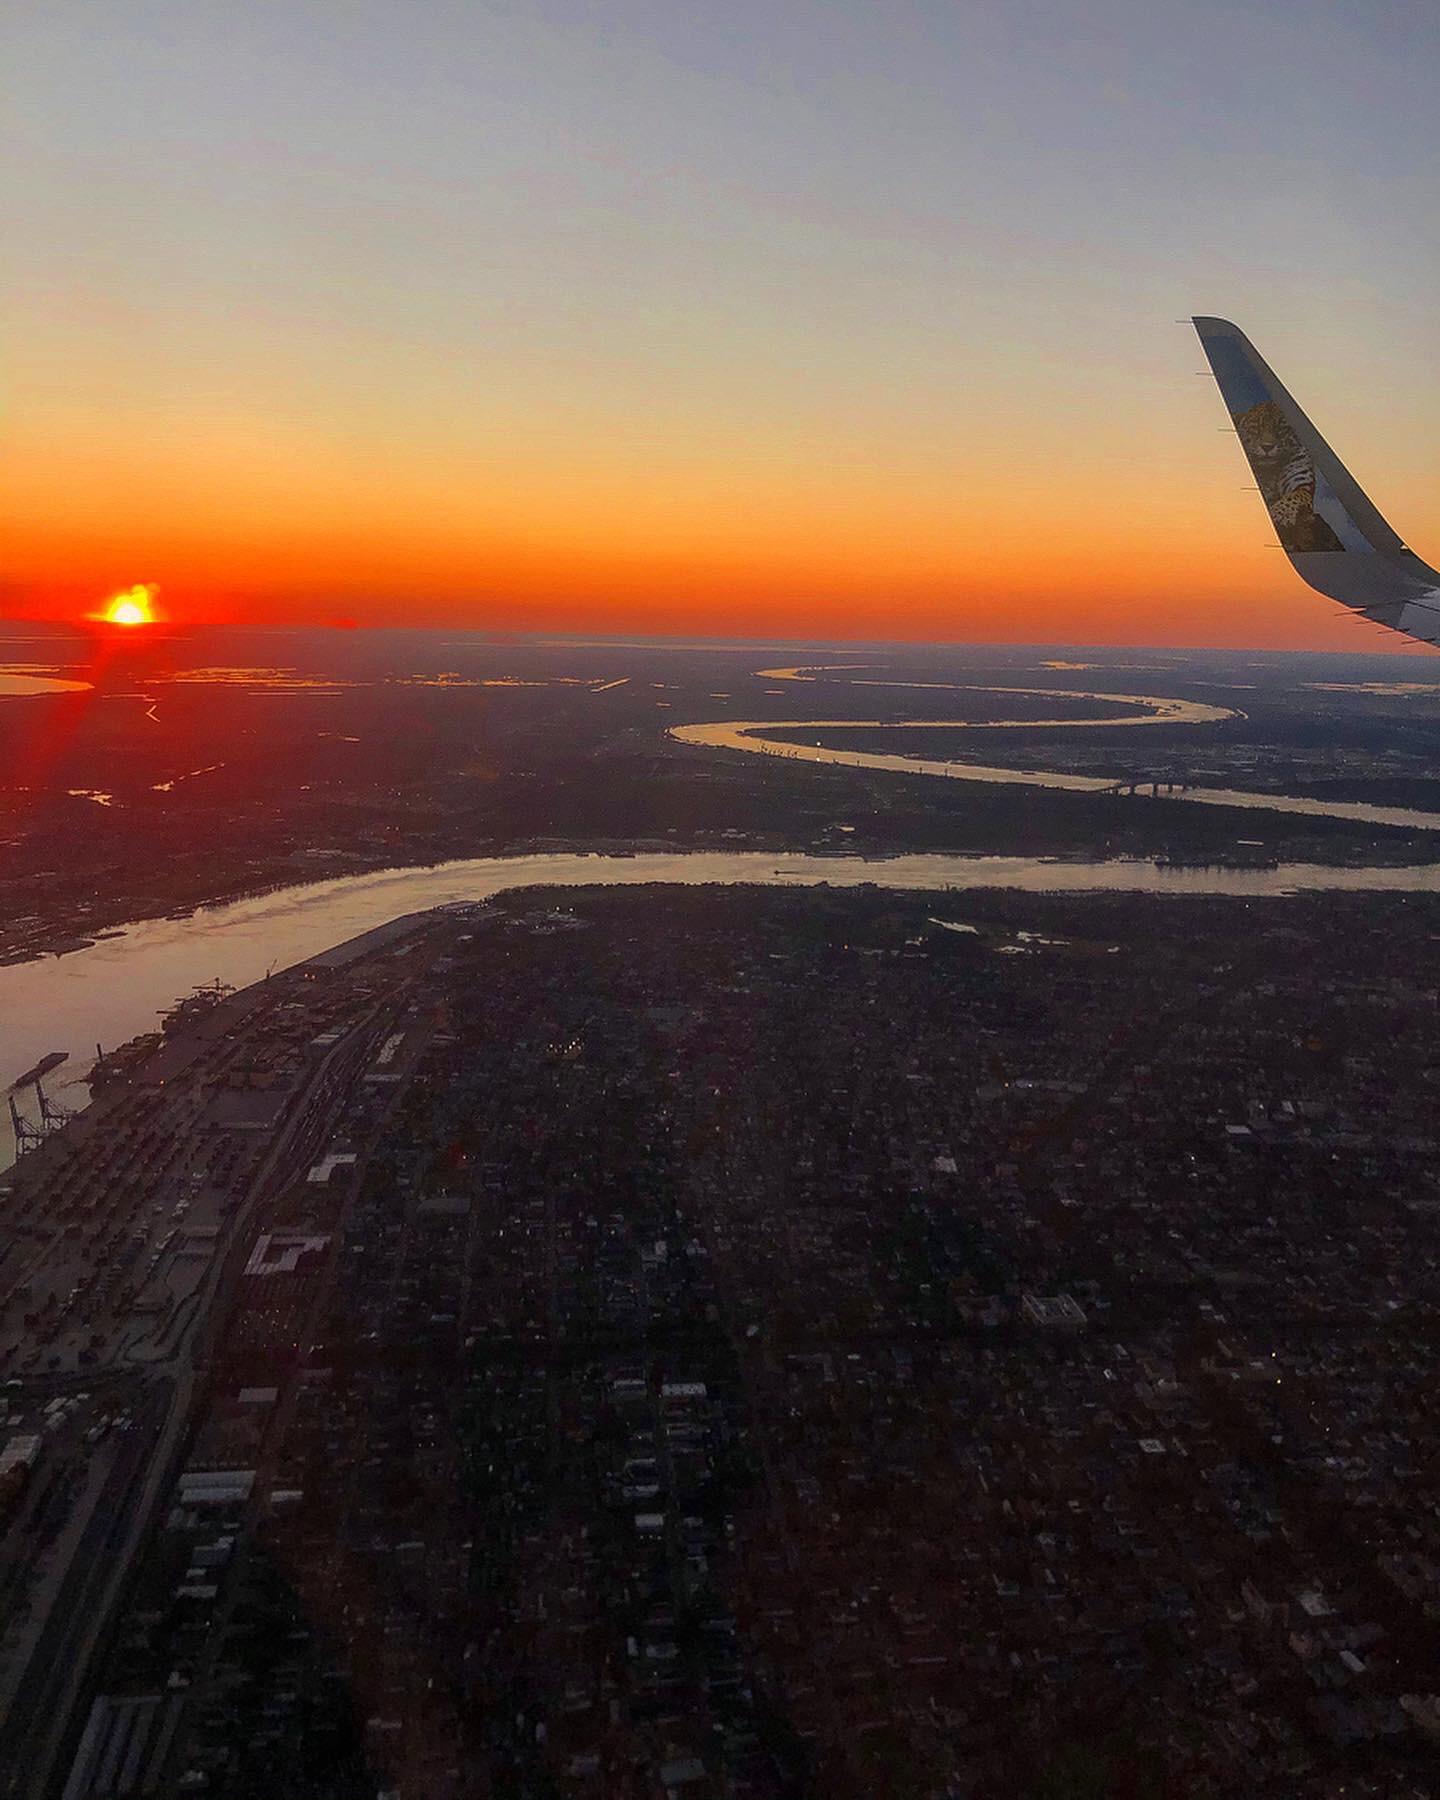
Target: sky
[835,318]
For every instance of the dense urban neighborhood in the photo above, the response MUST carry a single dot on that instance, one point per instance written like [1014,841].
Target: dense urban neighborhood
[736,1342]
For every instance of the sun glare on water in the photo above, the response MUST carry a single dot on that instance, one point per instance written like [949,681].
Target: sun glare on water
[133,607]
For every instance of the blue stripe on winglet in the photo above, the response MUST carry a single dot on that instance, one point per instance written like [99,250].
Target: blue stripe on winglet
[1241,383]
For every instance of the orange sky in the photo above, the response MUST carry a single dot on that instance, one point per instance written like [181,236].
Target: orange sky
[1089,555]
[502,319]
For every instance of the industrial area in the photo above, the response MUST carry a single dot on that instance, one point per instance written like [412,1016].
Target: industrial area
[130,1229]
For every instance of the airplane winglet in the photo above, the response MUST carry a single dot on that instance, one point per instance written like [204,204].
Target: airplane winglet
[1334,535]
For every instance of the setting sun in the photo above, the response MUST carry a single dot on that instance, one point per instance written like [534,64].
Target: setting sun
[133,607]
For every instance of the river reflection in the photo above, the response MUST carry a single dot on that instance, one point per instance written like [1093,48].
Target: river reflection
[115,989]
[1155,709]
[740,734]
[16,685]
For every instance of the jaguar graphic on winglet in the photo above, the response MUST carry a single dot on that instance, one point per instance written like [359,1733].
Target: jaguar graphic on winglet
[1326,525]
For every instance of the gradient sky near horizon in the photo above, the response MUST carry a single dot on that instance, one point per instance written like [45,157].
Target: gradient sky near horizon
[760,317]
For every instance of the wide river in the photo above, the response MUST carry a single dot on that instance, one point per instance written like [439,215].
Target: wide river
[1150,710]
[114,990]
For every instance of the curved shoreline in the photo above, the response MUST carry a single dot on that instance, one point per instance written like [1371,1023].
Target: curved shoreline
[1164,709]
[15,686]
[112,991]
[737,735]
[744,735]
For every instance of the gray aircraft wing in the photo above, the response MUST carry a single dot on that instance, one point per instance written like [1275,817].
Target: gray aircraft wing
[1325,522]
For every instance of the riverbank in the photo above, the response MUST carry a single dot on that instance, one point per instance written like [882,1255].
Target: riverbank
[757,736]
[114,990]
